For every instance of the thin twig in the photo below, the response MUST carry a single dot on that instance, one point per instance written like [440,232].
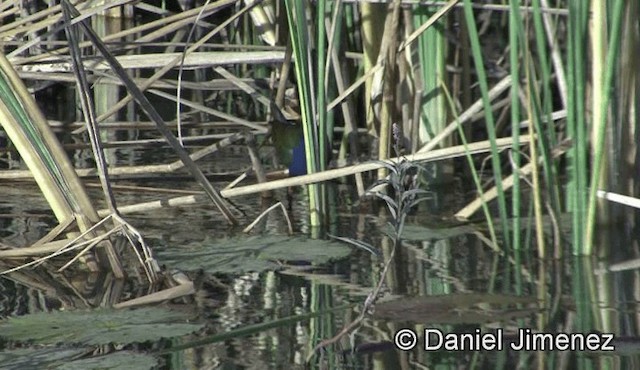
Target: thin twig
[93,243]
[284,211]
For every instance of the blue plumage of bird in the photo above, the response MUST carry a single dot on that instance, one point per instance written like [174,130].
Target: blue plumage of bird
[288,140]
[298,165]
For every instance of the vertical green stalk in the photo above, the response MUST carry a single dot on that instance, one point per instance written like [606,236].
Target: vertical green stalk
[106,96]
[535,128]
[583,276]
[372,18]
[388,114]
[576,124]
[549,139]
[334,41]
[535,121]
[38,146]
[490,124]
[350,26]
[433,59]
[322,144]
[601,124]
[336,13]
[474,173]
[545,69]
[321,88]
[301,46]
[515,22]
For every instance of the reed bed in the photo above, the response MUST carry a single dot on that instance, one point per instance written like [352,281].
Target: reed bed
[532,105]
[450,74]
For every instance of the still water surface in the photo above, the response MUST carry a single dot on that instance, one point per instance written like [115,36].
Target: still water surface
[578,297]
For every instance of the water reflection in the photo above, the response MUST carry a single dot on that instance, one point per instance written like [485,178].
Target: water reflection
[573,296]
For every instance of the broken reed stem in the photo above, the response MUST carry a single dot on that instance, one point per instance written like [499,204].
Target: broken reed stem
[284,211]
[56,248]
[507,183]
[440,154]
[69,246]
[93,243]
[140,170]
[434,155]
[179,291]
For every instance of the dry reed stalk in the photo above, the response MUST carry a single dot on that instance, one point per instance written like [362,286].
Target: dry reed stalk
[263,214]
[211,111]
[157,60]
[435,155]
[507,183]
[136,170]
[167,25]
[182,290]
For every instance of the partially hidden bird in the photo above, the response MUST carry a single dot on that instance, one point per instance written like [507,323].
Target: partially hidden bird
[288,140]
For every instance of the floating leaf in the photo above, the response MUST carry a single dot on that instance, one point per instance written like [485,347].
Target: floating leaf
[124,360]
[43,358]
[418,232]
[251,254]
[467,308]
[97,327]
[358,243]
[434,229]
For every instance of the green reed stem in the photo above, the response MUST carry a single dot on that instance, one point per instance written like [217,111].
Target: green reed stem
[474,173]
[546,124]
[321,88]
[610,65]
[576,124]
[490,124]
[515,24]
[301,46]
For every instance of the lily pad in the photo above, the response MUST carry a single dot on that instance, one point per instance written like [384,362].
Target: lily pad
[463,308]
[124,360]
[42,358]
[438,229]
[420,233]
[97,327]
[251,254]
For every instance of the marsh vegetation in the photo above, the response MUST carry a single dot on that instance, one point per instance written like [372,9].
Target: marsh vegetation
[315,175]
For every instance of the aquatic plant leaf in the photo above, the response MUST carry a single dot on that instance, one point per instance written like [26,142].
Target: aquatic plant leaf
[41,358]
[101,326]
[416,201]
[391,204]
[405,166]
[390,230]
[419,232]
[118,360]
[414,193]
[462,308]
[251,254]
[358,243]
[391,167]
[383,182]
[377,183]
[411,165]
